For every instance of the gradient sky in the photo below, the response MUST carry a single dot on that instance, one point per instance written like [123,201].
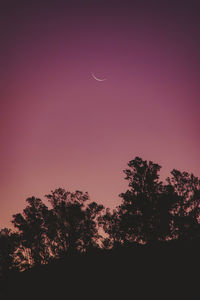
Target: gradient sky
[61,128]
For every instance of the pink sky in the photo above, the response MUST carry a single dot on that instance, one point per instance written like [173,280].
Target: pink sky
[61,128]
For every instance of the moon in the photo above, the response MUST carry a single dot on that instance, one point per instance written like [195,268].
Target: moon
[98,79]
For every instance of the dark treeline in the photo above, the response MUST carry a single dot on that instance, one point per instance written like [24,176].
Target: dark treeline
[155,226]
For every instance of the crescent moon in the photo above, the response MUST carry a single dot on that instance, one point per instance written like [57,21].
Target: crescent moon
[98,79]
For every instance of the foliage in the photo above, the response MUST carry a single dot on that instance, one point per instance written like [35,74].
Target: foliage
[151,212]
[8,245]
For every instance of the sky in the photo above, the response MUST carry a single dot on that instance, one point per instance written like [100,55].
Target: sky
[59,127]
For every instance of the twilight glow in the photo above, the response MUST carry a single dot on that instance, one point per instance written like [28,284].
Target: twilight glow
[61,128]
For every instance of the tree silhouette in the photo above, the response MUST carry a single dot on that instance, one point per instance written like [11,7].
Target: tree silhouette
[8,246]
[73,224]
[110,222]
[152,211]
[144,203]
[90,226]
[186,206]
[68,226]
[65,234]
[32,227]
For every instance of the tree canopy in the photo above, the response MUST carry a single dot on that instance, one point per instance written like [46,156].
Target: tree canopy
[151,212]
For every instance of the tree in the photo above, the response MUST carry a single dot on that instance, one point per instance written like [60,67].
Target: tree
[110,222]
[68,226]
[150,212]
[144,204]
[73,225]
[90,226]
[186,207]
[32,227]
[8,245]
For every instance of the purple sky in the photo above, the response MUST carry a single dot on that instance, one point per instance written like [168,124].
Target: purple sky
[61,128]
